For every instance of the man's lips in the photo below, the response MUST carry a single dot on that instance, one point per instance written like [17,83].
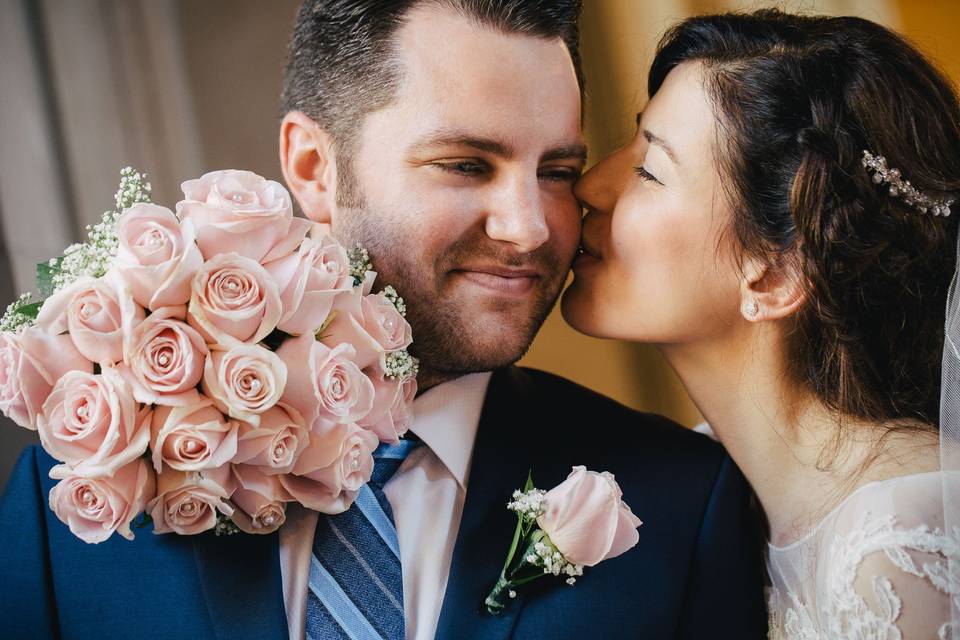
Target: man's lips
[504,280]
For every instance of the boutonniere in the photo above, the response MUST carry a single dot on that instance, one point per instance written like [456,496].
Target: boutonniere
[580,523]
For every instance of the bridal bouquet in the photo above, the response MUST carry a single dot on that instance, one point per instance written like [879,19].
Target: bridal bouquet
[201,369]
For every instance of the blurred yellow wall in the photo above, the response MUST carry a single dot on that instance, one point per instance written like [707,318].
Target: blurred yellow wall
[619,40]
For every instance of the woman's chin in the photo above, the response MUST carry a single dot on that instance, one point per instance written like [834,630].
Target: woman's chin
[580,311]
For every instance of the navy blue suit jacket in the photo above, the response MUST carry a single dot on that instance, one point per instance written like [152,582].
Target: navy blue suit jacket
[696,572]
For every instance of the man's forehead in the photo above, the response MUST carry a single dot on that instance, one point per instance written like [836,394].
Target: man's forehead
[462,78]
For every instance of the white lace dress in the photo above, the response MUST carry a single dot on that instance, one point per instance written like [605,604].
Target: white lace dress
[874,568]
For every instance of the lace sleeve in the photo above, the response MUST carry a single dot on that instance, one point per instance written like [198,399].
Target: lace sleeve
[901,587]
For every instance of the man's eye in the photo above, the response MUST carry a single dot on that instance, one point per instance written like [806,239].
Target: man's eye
[646,175]
[559,175]
[463,167]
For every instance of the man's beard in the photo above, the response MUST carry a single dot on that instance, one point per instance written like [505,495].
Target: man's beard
[449,339]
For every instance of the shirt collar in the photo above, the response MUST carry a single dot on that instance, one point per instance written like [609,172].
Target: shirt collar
[446,418]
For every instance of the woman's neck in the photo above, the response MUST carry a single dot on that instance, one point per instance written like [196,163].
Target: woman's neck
[776,434]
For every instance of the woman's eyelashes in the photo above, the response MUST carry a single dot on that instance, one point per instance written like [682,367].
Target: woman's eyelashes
[645,175]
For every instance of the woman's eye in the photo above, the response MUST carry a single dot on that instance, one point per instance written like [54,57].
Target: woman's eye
[463,167]
[646,175]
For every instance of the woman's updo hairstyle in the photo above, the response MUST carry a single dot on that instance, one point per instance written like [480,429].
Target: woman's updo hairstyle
[798,99]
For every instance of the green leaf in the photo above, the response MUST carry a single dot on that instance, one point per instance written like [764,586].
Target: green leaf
[45,275]
[529,484]
[30,310]
[275,339]
[514,544]
[142,520]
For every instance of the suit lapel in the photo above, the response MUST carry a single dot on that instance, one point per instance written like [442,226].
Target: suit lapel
[499,466]
[242,585]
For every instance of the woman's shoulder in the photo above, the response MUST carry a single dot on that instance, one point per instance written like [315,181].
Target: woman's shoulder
[880,561]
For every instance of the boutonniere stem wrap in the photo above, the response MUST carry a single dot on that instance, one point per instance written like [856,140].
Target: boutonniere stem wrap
[577,524]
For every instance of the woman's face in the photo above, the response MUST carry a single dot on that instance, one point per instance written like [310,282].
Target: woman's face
[656,265]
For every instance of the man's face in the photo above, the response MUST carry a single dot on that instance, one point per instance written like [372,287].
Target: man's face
[465,188]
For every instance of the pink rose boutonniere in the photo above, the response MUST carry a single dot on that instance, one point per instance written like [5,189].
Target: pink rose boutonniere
[579,523]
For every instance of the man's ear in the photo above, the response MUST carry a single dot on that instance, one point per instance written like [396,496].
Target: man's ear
[309,165]
[770,291]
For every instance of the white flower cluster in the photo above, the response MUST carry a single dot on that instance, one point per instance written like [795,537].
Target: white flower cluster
[391,294]
[14,319]
[359,263]
[134,188]
[549,557]
[529,504]
[93,257]
[401,365]
[225,526]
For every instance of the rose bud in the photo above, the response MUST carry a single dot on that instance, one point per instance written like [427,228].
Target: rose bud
[31,362]
[586,518]
[192,438]
[94,508]
[241,212]
[92,423]
[157,256]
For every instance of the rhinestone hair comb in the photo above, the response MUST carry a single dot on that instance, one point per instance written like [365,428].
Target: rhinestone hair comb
[877,165]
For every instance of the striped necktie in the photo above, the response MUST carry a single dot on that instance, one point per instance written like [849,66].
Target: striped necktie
[356,586]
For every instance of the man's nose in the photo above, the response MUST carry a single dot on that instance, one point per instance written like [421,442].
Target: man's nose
[518,216]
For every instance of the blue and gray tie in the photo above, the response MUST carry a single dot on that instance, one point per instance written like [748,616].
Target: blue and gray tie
[356,586]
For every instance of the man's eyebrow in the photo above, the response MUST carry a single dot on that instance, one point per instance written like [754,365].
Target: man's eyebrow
[576,151]
[449,137]
[663,144]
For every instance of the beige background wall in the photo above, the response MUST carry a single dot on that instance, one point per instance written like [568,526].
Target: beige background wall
[179,87]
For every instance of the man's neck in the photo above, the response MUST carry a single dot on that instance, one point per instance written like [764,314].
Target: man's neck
[428,378]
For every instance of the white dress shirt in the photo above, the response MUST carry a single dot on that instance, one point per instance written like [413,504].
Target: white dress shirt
[426,495]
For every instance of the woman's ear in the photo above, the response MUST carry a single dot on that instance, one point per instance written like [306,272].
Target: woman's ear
[770,291]
[309,165]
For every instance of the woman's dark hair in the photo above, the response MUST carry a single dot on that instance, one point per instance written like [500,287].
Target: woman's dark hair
[798,99]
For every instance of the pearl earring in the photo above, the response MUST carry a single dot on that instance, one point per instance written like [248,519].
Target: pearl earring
[751,309]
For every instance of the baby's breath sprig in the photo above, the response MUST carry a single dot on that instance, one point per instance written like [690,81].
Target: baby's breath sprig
[400,365]
[93,257]
[359,264]
[391,294]
[134,189]
[225,526]
[527,504]
[20,314]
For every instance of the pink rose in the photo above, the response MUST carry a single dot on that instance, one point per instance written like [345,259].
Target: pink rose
[241,212]
[260,500]
[92,423]
[392,411]
[372,325]
[323,382]
[234,300]
[93,312]
[94,508]
[331,470]
[187,503]
[276,443]
[587,520]
[31,362]
[192,438]
[163,359]
[244,381]
[309,281]
[156,256]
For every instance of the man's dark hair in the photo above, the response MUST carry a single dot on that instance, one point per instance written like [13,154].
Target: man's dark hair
[341,64]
